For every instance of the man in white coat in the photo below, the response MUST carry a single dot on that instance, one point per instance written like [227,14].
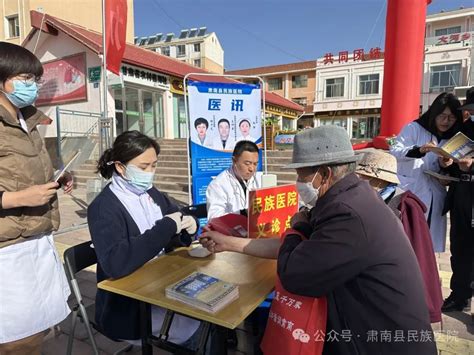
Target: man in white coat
[228,192]
[223,140]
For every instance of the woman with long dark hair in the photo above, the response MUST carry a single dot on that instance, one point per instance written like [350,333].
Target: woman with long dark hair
[131,222]
[411,148]
[33,286]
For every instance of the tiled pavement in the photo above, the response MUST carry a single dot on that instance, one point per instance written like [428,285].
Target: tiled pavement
[454,336]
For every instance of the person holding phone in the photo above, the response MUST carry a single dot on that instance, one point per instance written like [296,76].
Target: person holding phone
[33,286]
[412,150]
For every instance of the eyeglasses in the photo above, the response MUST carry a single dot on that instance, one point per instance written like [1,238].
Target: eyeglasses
[29,79]
[446,116]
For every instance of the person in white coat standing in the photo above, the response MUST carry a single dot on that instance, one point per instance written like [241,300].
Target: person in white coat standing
[228,192]
[411,148]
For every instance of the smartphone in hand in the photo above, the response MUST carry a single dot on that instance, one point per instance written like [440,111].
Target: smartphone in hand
[61,172]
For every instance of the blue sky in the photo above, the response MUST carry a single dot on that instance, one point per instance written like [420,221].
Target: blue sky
[265,32]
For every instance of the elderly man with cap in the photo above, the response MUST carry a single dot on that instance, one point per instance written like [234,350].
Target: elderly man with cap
[460,203]
[350,249]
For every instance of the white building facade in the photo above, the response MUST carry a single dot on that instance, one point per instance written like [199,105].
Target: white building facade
[193,46]
[448,54]
[349,84]
[349,94]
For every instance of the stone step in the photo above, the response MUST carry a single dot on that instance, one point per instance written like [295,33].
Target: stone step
[80,177]
[279,167]
[162,158]
[178,195]
[280,153]
[172,186]
[179,169]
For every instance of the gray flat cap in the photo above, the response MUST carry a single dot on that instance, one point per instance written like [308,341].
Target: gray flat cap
[325,145]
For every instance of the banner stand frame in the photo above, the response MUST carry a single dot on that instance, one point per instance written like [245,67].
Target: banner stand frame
[186,109]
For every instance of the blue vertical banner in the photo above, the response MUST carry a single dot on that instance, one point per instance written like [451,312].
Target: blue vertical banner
[220,115]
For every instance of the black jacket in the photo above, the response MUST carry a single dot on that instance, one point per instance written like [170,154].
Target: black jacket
[359,257]
[121,249]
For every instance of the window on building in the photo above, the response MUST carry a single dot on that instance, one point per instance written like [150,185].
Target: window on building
[197,47]
[447,31]
[341,122]
[287,124]
[13,26]
[165,50]
[444,77]
[197,63]
[275,84]
[335,87]
[299,81]
[251,81]
[369,84]
[180,50]
[300,100]
[365,127]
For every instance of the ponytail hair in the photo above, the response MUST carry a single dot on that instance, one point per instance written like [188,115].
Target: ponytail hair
[103,168]
[126,147]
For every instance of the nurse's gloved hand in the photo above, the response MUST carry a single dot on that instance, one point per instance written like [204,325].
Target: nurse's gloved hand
[189,224]
[176,217]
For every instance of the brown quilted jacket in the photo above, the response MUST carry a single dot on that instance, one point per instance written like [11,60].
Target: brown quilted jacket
[24,162]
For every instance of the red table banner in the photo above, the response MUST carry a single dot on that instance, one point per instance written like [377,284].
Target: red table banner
[270,210]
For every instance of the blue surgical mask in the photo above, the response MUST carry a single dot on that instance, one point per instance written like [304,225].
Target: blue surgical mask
[472,118]
[140,179]
[23,94]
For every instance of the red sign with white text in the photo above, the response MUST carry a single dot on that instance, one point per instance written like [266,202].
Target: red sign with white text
[270,210]
[64,80]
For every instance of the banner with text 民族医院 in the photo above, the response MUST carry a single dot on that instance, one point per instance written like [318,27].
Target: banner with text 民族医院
[221,114]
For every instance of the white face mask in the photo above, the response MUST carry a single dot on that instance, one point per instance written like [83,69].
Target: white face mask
[307,192]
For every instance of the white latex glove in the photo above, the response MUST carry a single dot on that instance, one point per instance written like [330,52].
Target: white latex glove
[189,223]
[176,217]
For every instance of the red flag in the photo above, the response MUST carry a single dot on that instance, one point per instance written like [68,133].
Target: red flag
[116,32]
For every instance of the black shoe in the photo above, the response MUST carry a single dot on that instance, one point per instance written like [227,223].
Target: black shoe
[452,304]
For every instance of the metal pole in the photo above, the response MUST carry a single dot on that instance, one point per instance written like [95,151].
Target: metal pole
[190,193]
[58,136]
[105,83]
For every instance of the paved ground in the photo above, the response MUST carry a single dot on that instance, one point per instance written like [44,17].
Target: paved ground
[454,336]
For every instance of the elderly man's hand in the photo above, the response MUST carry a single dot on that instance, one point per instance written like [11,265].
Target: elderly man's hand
[302,216]
[214,241]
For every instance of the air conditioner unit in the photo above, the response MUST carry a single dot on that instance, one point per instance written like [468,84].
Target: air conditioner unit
[460,92]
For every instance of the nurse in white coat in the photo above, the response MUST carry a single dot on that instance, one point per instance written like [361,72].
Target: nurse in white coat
[244,127]
[411,148]
[228,192]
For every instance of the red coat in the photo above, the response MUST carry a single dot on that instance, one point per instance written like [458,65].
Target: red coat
[413,219]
